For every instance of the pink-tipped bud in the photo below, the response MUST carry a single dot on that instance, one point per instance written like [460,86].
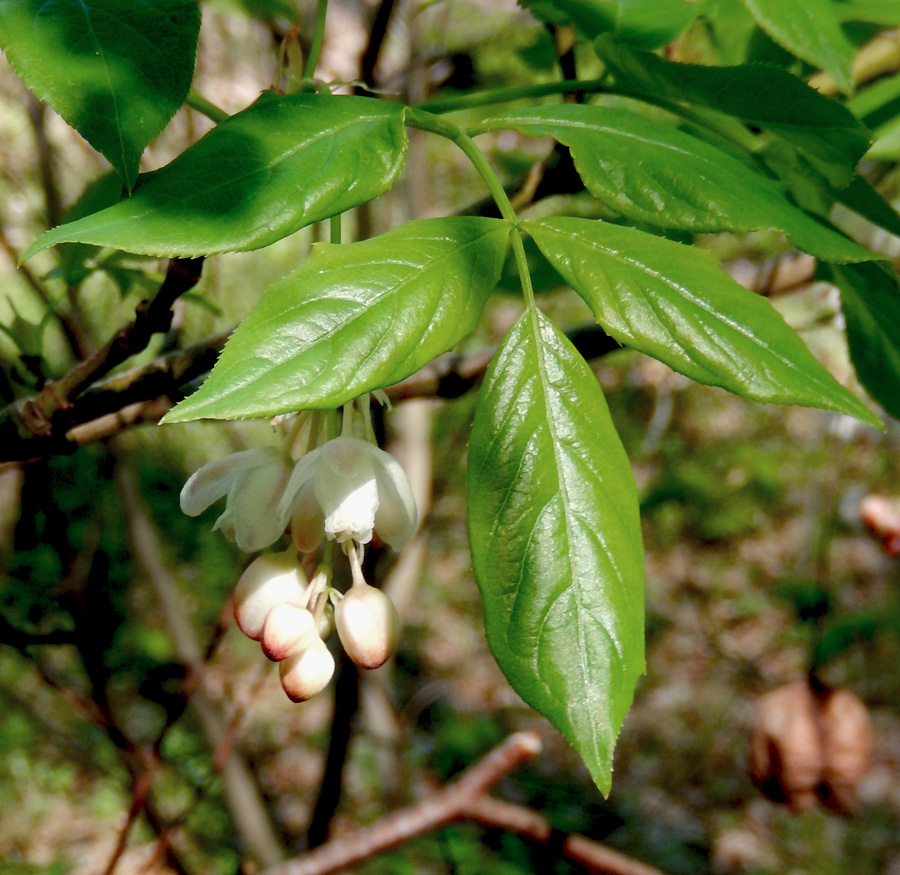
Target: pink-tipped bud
[307,672]
[268,581]
[288,628]
[367,624]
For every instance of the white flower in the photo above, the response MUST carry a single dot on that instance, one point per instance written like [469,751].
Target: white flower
[252,481]
[346,490]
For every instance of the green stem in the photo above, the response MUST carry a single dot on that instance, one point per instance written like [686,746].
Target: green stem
[335,228]
[516,92]
[318,36]
[332,424]
[197,101]
[426,121]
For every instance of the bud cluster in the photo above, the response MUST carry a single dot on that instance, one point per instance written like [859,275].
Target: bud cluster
[341,491]
[276,606]
[810,744]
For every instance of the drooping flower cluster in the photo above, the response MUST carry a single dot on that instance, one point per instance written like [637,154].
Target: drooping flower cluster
[345,491]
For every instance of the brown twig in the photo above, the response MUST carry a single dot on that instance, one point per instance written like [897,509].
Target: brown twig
[464,799]
[450,804]
[148,391]
[46,416]
[139,793]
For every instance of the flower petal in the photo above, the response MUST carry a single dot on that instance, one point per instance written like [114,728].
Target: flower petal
[253,504]
[395,520]
[303,473]
[308,522]
[215,479]
[346,489]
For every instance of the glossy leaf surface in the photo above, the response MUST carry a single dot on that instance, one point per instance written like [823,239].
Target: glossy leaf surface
[811,30]
[651,172]
[115,72]
[256,178]
[556,542]
[675,303]
[870,301]
[354,318]
[827,133]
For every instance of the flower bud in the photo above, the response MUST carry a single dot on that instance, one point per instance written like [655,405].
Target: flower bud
[268,581]
[287,629]
[367,624]
[306,672]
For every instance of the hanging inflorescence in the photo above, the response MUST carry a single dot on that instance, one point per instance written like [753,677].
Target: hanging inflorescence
[337,490]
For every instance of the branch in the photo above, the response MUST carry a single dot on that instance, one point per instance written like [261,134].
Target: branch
[464,799]
[450,804]
[146,393]
[15,637]
[46,417]
[242,797]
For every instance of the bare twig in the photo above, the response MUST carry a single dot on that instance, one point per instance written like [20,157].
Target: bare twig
[346,703]
[775,277]
[139,793]
[148,392]
[450,804]
[463,799]
[46,417]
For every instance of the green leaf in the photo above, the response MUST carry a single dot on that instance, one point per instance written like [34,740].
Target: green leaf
[827,133]
[870,301]
[811,30]
[675,303]
[646,23]
[355,318]
[116,72]
[281,164]
[266,10]
[887,142]
[861,197]
[556,542]
[883,12]
[650,172]
[100,193]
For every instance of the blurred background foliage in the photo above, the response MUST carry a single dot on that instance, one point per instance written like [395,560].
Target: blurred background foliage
[758,565]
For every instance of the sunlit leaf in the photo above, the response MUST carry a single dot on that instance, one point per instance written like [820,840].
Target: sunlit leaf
[556,542]
[827,133]
[646,23]
[256,178]
[676,304]
[653,173]
[811,30]
[354,318]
